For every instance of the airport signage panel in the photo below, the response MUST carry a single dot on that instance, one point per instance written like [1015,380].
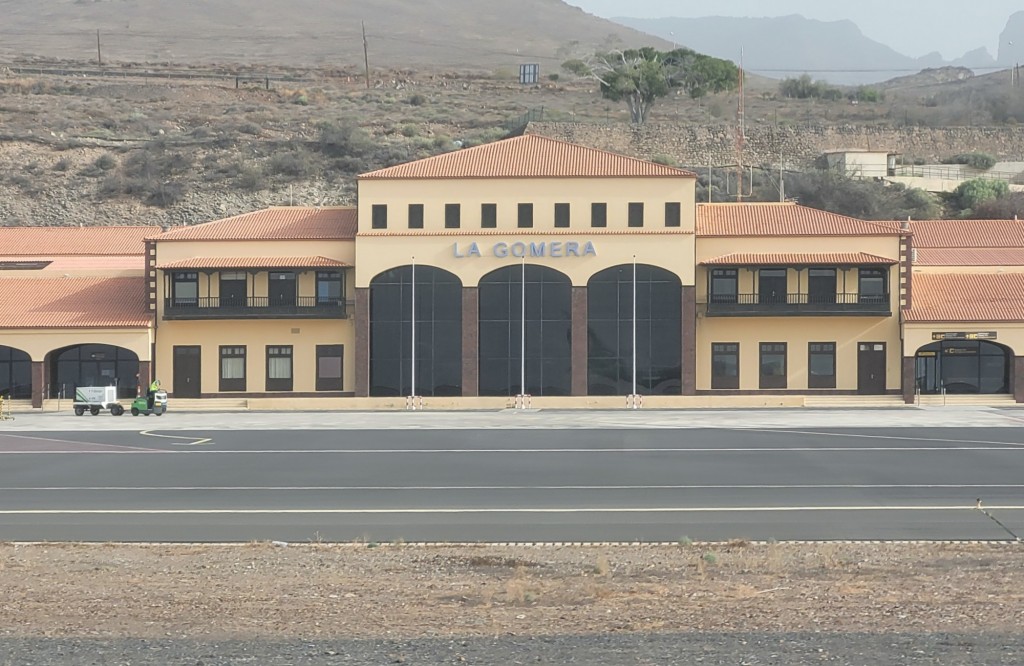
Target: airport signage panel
[523,250]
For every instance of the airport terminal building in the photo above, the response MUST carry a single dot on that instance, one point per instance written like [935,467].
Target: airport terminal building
[526,267]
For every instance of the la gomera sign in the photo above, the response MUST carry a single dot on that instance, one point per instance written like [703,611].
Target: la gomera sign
[520,249]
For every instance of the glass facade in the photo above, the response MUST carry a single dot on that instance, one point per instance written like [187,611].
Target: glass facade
[610,331]
[548,332]
[93,365]
[15,374]
[438,333]
[963,366]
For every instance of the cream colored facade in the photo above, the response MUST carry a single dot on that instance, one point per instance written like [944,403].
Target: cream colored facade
[451,249]
[798,332]
[253,331]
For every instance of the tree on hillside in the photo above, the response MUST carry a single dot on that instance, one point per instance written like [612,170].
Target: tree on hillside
[972,193]
[640,77]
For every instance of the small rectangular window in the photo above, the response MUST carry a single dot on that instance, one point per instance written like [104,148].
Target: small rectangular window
[599,215]
[636,214]
[724,285]
[821,365]
[562,215]
[330,288]
[379,214]
[725,365]
[673,214]
[452,216]
[279,368]
[488,216]
[872,285]
[185,288]
[415,216]
[525,215]
[773,365]
[329,364]
[232,368]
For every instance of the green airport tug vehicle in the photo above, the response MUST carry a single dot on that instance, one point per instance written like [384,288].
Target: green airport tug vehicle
[154,402]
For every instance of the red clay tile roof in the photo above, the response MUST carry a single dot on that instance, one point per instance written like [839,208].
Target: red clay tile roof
[602,231]
[783,219]
[968,233]
[74,303]
[75,264]
[799,259]
[528,156]
[986,256]
[255,262]
[58,241]
[968,298]
[277,223]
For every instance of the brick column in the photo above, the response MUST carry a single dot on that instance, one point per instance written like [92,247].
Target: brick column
[909,379]
[362,324]
[470,341]
[38,384]
[1017,378]
[579,341]
[689,354]
[145,377]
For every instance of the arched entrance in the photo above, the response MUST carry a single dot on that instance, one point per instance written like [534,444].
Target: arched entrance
[15,374]
[610,331]
[963,366]
[93,365]
[438,332]
[548,367]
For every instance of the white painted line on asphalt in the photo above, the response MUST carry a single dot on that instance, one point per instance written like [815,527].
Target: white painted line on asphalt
[849,486]
[783,431]
[780,449]
[193,441]
[628,510]
[120,447]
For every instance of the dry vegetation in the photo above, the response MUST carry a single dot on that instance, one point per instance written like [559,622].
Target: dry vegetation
[369,590]
[115,150]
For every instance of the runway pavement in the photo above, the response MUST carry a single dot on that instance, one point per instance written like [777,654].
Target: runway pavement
[559,483]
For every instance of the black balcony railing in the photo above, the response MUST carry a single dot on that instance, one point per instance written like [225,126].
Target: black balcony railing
[255,307]
[733,305]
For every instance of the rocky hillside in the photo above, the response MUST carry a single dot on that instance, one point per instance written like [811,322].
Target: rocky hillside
[401,33]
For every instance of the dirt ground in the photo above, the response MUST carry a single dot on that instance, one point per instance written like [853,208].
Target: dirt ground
[369,591]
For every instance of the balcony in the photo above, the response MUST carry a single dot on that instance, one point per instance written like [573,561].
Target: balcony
[255,307]
[799,305]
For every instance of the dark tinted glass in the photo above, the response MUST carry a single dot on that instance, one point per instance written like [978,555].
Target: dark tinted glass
[489,216]
[438,333]
[379,216]
[636,214]
[562,215]
[658,331]
[452,216]
[548,332]
[415,216]
[599,215]
[673,214]
[525,215]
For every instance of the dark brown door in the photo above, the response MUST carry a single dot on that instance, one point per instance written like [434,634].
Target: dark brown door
[281,288]
[871,368]
[188,372]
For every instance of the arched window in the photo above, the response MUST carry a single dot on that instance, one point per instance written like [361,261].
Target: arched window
[438,333]
[93,365]
[963,366]
[15,374]
[658,331]
[548,367]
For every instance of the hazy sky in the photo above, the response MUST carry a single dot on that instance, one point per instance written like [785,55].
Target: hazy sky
[912,27]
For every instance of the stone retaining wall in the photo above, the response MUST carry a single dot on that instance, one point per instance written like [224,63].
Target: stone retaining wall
[698,145]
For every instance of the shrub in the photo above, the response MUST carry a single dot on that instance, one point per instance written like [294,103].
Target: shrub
[553,77]
[250,178]
[409,131]
[63,164]
[292,163]
[1003,208]
[663,159]
[980,161]
[105,162]
[971,193]
[804,87]
[417,100]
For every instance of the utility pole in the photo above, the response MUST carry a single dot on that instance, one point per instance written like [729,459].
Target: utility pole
[741,132]
[366,55]
[99,50]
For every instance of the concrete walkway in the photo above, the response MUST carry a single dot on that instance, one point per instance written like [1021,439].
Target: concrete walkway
[910,417]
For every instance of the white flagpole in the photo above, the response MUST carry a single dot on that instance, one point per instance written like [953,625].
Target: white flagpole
[412,373]
[634,331]
[522,336]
